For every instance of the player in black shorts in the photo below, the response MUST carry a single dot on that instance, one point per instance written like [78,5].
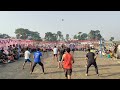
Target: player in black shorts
[91,60]
[61,52]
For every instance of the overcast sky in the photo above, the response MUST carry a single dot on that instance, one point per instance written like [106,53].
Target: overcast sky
[108,22]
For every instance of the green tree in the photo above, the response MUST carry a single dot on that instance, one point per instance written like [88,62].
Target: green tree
[67,37]
[84,36]
[94,35]
[79,35]
[97,35]
[35,36]
[62,38]
[54,37]
[75,37]
[112,38]
[4,36]
[91,35]
[22,33]
[49,36]
[59,35]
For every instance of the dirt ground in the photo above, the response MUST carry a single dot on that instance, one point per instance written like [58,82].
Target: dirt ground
[108,69]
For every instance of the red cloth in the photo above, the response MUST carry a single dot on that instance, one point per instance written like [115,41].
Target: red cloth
[67,64]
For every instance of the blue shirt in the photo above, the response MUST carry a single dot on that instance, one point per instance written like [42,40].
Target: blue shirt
[37,56]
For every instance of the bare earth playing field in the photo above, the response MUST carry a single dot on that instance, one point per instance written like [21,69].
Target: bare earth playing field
[108,69]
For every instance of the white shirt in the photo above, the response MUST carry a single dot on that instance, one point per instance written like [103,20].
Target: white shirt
[27,54]
[55,50]
[118,48]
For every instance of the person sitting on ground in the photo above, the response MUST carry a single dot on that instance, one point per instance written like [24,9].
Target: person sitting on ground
[11,58]
[3,56]
[15,53]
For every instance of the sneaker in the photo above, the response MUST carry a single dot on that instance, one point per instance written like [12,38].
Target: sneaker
[97,74]
[86,74]
[43,73]
[8,61]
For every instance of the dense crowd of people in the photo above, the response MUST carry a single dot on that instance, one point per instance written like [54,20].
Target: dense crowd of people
[61,52]
[13,53]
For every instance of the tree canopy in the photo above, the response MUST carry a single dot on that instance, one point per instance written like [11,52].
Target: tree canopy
[4,36]
[112,38]
[22,33]
[49,36]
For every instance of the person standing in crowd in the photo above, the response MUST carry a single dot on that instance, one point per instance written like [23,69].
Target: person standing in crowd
[27,55]
[91,60]
[72,48]
[55,53]
[37,60]
[67,61]
[61,52]
[19,50]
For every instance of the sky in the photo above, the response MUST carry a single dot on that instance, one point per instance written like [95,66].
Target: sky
[68,22]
